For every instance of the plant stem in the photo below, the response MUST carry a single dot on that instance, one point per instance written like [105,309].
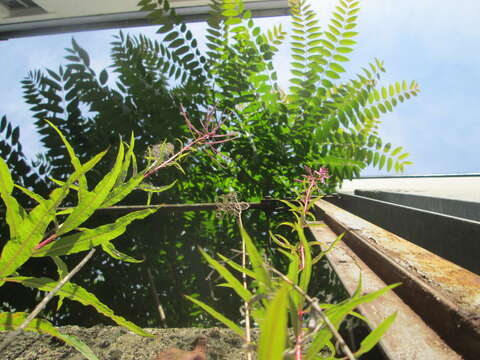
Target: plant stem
[248,335]
[313,303]
[161,313]
[11,336]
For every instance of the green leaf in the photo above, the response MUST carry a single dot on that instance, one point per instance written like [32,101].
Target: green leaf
[374,337]
[77,293]
[307,266]
[84,56]
[33,226]
[38,198]
[232,281]
[332,74]
[229,323]
[86,239]
[12,321]
[389,164]
[14,212]
[382,162]
[92,200]
[337,68]
[157,189]
[237,267]
[256,260]
[337,313]
[121,191]
[103,78]
[273,329]
[62,271]
[110,249]
[73,159]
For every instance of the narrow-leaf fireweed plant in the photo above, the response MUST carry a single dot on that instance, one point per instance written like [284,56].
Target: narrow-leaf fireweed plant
[279,301]
[48,231]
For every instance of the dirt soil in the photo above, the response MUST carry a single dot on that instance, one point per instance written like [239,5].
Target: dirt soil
[115,343]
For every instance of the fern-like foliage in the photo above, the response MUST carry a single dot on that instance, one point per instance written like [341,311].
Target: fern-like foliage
[27,174]
[323,117]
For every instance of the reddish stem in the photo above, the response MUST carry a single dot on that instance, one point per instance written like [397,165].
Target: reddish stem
[299,338]
[46,241]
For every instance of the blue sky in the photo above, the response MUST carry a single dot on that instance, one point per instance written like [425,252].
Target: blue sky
[435,43]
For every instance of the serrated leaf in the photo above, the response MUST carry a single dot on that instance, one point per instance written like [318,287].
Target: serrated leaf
[88,238]
[14,212]
[92,200]
[33,227]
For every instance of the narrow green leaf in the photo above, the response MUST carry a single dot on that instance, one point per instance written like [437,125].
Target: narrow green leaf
[229,323]
[13,209]
[232,281]
[92,200]
[110,249]
[396,151]
[237,267]
[374,337]
[38,198]
[121,191]
[256,260]
[12,321]
[382,162]
[73,159]
[33,227]
[86,239]
[77,293]
[273,329]
[62,271]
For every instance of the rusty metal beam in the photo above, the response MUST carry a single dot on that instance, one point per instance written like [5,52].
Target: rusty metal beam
[442,295]
[266,205]
[398,342]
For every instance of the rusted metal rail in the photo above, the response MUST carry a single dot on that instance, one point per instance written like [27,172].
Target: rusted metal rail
[438,304]
[266,205]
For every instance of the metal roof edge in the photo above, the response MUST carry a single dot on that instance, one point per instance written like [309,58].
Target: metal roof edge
[126,19]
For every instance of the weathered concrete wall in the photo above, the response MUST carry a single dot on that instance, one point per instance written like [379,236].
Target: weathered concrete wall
[115,343]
